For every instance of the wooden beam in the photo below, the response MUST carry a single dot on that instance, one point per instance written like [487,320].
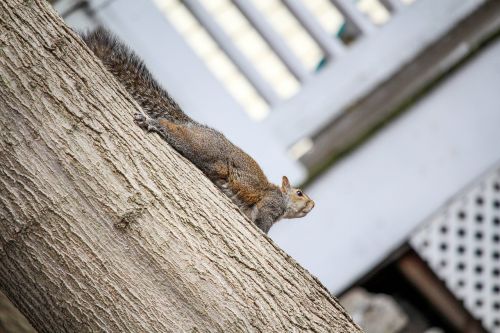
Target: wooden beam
[436,292]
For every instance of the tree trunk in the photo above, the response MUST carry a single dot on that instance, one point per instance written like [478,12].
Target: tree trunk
[106,228]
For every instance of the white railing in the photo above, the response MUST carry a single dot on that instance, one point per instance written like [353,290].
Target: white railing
[351,72]
[258,21]
[376,54]
[332,47]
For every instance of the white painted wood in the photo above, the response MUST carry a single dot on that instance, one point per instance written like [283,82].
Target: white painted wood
[328,43]
[370,203]
[461,244]
[368,63]
[278,44]
[351,12]
[239,59]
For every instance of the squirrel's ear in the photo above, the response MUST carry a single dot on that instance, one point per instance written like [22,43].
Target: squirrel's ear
[285,185]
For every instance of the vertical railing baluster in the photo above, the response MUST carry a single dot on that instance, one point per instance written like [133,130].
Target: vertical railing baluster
[275,42]
[330,45]
[226,44]
[351,13]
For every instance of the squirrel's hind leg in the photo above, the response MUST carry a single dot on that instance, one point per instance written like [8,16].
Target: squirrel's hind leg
[180,137]
[159,126]
[145,122]
[169,131]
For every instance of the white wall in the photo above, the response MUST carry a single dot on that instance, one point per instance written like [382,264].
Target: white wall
[370,202]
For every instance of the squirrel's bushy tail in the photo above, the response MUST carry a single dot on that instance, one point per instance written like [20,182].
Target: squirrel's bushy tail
[134,76]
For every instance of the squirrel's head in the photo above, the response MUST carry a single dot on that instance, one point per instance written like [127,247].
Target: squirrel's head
[298,203]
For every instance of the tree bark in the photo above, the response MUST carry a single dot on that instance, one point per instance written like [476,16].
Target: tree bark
[106,228]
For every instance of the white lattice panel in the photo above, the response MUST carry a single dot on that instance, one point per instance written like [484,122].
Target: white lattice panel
[461,244]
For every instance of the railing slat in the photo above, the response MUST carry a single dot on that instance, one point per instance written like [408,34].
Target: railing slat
[276,42]
[352,13]
[227,45]
[328,43]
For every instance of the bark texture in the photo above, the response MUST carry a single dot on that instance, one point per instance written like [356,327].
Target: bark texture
[106,228]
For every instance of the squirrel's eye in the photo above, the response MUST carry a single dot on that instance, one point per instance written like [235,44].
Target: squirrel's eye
[299,193]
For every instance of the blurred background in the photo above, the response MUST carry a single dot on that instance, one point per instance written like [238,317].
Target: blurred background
[387,112]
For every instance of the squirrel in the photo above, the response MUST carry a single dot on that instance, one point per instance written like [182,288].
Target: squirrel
[233,171]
